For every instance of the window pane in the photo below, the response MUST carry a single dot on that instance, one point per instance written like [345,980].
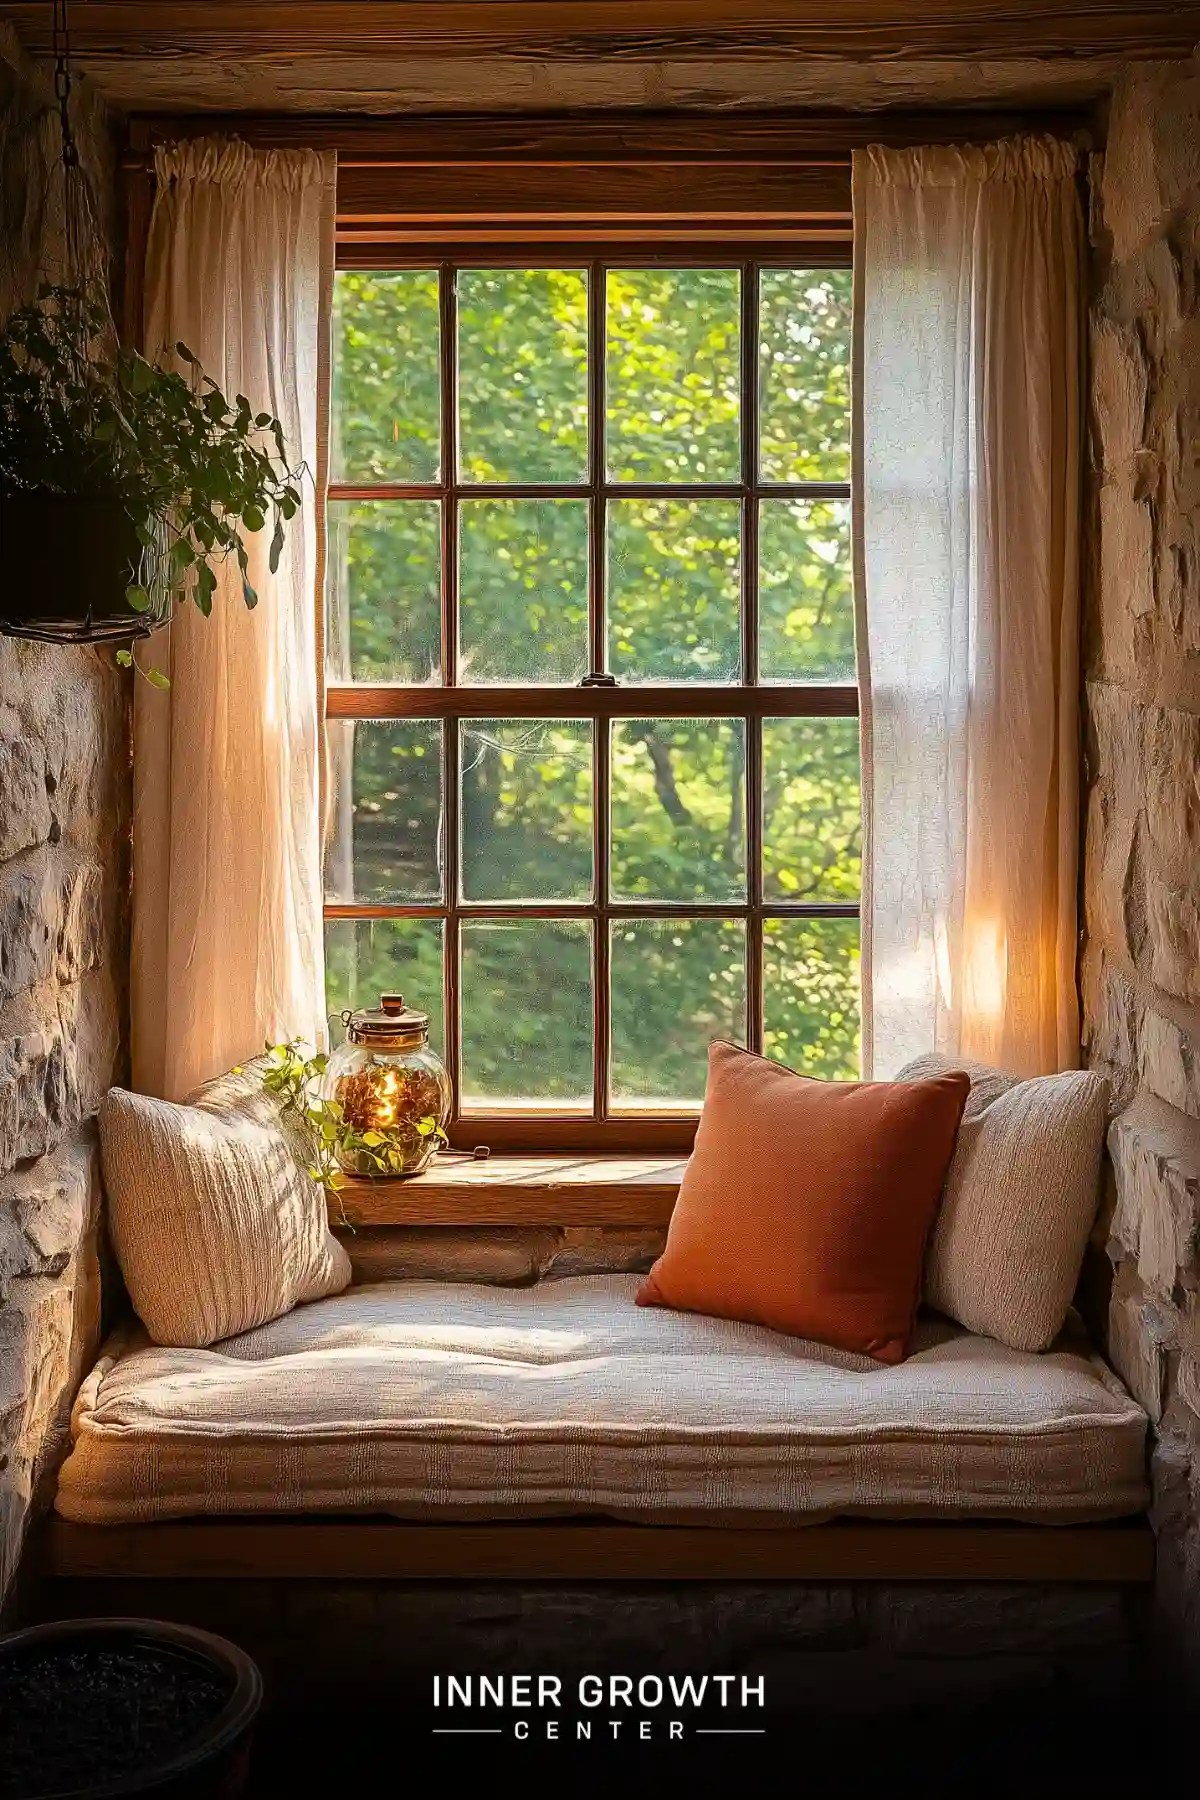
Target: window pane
[806,593]
[674,590]
[811,1006]
[385,838]
[804,374]
[383,590]
[678,809]
[365,958]
[523,612]
[526,809]
[676,985]
[812,817]
[674,375]
[527,1013]
[522,374]
[386,383]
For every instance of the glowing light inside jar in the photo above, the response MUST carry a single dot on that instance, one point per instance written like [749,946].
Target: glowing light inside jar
[387,1092]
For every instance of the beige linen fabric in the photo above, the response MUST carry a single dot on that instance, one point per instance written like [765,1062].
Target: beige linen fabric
[227,946]
[967,272]
[428,1401]
[1019,1201]
[215,1223]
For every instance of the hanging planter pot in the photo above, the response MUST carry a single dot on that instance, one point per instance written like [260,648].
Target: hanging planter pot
[123,482]
[66,562]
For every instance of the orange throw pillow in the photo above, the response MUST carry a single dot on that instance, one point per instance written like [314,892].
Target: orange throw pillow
[806,1204]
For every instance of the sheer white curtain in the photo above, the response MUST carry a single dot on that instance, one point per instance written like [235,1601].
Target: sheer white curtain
[227,880]
[967,427]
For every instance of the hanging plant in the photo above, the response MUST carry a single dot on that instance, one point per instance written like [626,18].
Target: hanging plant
[123,483]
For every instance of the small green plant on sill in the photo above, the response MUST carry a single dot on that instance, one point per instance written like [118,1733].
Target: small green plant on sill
[337,1145]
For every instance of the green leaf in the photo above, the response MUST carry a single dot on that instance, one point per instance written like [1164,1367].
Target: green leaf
[249,596]
[252,519]
[276,547]
[157,679]
[262,420]
[137,597]
[206,587]
[125,659]
[182,350]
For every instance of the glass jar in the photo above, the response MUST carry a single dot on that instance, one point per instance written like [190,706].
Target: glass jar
[393,1090]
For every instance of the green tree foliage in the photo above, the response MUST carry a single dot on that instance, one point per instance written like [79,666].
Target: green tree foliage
[673,578]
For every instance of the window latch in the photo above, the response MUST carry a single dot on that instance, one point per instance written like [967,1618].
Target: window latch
[596,679]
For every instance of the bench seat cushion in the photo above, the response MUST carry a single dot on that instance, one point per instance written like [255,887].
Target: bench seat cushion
[429,1400]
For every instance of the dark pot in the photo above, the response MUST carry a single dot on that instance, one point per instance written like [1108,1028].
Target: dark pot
[211,1758]
[65,563]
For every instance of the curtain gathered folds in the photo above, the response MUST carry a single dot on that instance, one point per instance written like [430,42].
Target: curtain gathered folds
[967,445]
[227,877]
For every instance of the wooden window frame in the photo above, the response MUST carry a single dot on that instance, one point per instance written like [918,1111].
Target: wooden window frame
[608,1129]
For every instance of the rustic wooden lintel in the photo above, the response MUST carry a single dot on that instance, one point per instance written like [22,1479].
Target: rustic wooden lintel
[572,30]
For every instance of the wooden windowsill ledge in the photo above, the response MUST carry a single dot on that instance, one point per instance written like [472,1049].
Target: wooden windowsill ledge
[519,1190]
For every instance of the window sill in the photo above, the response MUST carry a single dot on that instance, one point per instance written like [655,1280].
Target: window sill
[519,1190]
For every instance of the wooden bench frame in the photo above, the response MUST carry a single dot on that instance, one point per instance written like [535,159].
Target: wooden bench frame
[348,1549]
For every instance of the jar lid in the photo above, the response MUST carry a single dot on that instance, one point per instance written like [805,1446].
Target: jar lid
[390,1019]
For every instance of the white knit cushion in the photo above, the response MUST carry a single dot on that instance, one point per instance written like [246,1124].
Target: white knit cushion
[1019,1201]
[216,1225]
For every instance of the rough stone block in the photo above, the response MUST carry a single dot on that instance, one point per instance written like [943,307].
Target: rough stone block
[1111,1010]
[24,803]
[1141,1331]
[603,1250]
[1114,886]
[46,1210]
[52,918]
[1126,555]
[1173,927]
[1119,389]
[46,1339]
[1132,197]
[1156,1157]
[39,1095]
[509,1255]
[1171,764]
[1169,1058]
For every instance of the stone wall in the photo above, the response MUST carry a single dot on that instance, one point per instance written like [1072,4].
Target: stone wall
[64,811]
[1141,959]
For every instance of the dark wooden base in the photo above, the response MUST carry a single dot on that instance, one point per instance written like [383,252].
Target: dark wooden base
[392,1550]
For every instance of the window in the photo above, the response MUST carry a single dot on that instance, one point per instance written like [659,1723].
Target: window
[593,791]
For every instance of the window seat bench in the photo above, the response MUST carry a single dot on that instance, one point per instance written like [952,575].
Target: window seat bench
[472,1410]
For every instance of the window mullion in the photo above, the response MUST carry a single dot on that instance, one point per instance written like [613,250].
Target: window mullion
[601,731]
[750,672]
[450,727]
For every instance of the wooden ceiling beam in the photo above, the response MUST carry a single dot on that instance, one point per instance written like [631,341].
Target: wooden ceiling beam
[567,30]
[769,140]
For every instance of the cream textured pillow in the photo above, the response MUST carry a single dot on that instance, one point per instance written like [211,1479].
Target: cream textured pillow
[216,1225]
[1020,1198]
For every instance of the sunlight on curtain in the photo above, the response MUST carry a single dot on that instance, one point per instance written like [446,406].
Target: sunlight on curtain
[967,427]
[227,877]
